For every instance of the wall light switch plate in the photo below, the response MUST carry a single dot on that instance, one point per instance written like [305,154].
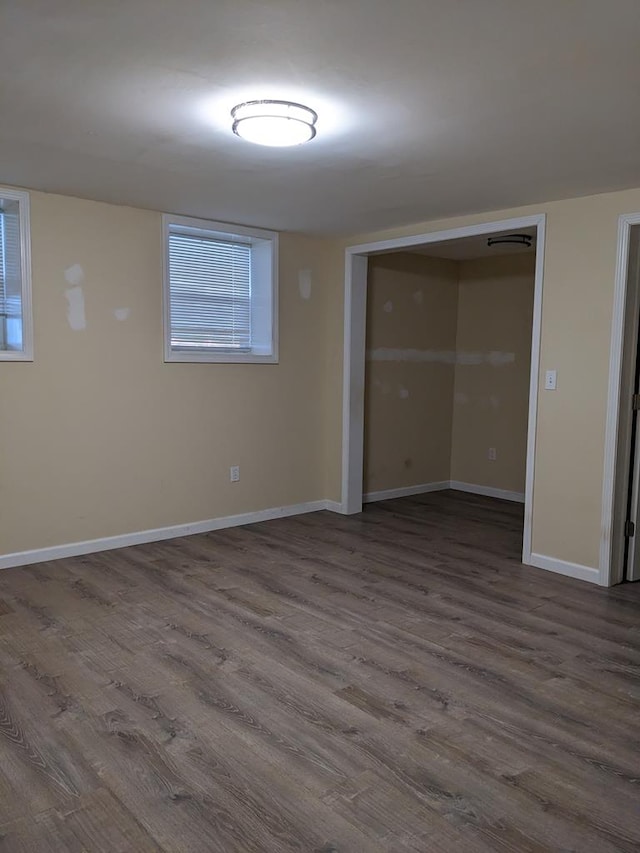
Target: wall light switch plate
[234,473]
[550,380]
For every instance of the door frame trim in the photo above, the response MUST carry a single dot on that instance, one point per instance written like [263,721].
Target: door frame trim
[611,571]
[355,305]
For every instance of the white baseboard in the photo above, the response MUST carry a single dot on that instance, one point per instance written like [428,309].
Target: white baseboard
[456,485]
[561,567]
[404,492]
[488,491]
[91,546]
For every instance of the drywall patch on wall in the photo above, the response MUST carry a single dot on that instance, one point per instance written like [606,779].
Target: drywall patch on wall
[403,393]
[122,313]
[388,306]
[494,358]
[74,275]
[499,359]
[469,358]
[75,308]
[379,385]
[304,284]
[415,355]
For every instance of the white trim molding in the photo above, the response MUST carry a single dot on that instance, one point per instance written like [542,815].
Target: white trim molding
[355,318]
[488,491]
[356,261]
[93,546]
[534,383]
[263,247]
[480,228]
[442,485]
[26,297]
[405,492]
[570,570]
[455,485]
[609,573]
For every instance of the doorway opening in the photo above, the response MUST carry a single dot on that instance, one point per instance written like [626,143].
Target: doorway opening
[445,273]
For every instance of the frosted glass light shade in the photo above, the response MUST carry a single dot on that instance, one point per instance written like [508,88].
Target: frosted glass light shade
[274,123]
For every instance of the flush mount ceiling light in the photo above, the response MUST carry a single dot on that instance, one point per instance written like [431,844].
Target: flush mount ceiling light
[274,123]
[512,239]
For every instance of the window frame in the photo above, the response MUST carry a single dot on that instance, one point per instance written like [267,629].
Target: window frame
[265,246]
[26,353]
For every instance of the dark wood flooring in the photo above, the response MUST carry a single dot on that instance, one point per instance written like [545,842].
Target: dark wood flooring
[394,681]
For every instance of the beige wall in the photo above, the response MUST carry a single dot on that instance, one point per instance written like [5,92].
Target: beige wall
[411,308]
[435,327]
[100,437]
[579,273]
[105,439]
[491,402]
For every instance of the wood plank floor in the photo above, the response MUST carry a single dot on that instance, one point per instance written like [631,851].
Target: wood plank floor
[393,681]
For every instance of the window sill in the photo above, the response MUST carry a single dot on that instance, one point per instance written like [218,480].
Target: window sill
[219,358]
[13,355]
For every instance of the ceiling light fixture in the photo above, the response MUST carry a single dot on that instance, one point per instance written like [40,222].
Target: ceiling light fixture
[512,239]
[274,123]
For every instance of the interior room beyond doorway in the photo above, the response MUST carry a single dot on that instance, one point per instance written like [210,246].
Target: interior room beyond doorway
[448,362]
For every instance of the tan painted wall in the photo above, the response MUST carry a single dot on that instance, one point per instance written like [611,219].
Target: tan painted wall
[491,402]
[282,424]
[434,327]
[579,273]
[100,437]
[411,305]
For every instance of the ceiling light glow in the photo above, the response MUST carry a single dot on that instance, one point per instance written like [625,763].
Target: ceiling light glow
[274,123]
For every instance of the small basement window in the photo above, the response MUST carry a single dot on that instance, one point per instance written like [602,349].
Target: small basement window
[220,292]
[16,337]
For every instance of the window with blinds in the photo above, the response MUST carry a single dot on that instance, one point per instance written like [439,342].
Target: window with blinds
[210,300]
[220,292]
[13,284]
[4,308]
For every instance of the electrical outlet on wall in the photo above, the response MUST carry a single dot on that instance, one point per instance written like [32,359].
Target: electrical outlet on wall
[234,473]
[491,455]
[550,380]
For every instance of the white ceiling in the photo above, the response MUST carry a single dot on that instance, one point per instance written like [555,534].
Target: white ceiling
[428,108]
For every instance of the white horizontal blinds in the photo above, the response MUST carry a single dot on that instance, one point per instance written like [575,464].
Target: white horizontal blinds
[10,278]
[3,289]
[210,293]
